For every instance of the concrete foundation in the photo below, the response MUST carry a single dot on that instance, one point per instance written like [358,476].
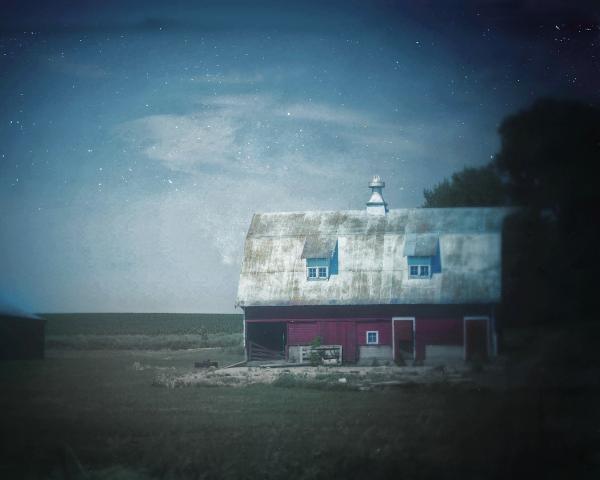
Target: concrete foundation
[438,354]
[369,353]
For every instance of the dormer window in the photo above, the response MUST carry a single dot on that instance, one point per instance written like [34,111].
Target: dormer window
[320,254]
[422,252]
[420,271]
[316,272]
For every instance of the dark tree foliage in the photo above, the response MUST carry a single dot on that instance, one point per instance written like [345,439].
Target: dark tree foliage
[548,154]
[471,187]
[551,257]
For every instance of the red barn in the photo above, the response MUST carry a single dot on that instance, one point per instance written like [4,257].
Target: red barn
[408,284]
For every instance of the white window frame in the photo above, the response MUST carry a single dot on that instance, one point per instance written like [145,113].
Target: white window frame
[326,272]
[421,267]
[308,275]
[376,342]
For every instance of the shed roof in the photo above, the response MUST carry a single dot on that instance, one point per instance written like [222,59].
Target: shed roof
[372,267]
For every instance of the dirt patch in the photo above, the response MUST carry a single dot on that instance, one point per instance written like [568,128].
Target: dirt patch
[360,378]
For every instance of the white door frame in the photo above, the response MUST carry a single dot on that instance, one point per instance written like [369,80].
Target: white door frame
[394,336]
[487,333]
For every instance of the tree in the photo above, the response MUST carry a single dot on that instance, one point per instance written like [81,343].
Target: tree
[545,166]
[548,153]
[471,187]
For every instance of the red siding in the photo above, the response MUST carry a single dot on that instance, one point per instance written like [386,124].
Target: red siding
[302,333]
[437,331]
[341,333]
[384,327]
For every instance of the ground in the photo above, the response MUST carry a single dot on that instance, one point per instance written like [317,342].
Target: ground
[103,414]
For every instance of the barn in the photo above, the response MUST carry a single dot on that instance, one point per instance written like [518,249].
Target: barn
[21,334]
[404,285]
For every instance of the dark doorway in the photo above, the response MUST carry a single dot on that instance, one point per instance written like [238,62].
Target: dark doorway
[404,339]
[476,338]
[266,341]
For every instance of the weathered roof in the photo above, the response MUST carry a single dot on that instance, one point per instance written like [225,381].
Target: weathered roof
[421,245]
[317,246]
[372,265]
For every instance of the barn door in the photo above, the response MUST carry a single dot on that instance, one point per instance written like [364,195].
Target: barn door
[476,338]
[404,339]
[349,345]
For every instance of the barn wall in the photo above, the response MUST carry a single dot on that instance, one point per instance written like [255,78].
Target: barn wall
[384,327]
[437,331]
[438,328]
[302,333]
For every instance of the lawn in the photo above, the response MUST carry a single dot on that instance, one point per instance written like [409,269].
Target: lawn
[104,410]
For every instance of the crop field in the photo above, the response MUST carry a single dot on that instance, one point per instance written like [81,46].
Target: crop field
[141,323]
[103,414]
[142,331]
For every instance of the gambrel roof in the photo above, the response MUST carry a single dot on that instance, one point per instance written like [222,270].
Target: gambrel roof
[372,255]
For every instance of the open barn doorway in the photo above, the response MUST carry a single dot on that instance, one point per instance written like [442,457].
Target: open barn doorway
[266,340]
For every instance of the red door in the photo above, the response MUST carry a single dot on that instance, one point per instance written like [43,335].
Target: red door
[349,344]
[404,338]
[476,338]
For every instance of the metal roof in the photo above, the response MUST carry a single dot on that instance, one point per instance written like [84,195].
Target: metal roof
[372,264]
[316,246]
[421,245]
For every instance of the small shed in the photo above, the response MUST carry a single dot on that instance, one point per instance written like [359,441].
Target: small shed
[403,285]
[21,334]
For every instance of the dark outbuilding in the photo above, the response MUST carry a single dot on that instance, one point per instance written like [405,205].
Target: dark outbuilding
[21,334]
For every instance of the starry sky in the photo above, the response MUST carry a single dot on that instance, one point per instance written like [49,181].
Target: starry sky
[138,138]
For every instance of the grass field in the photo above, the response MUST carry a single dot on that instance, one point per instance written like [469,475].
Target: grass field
[141,323]
[104,410]
[141,331]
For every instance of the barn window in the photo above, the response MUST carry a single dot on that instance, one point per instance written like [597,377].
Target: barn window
[422,252]
[321,257]
[372,337]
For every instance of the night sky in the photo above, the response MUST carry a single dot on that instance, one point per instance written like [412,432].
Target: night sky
[138,138]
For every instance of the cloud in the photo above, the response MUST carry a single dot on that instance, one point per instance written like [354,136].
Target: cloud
[231,78]
[260,134]
[240,154]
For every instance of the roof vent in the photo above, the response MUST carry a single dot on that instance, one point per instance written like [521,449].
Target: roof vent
[376,204]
